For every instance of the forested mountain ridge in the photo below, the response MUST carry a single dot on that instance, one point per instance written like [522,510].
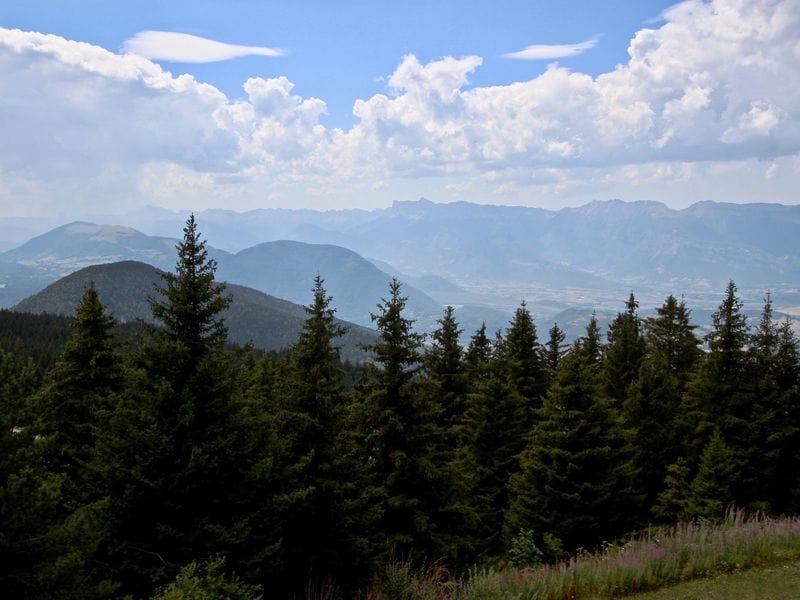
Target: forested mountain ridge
[124,288]
[279,268]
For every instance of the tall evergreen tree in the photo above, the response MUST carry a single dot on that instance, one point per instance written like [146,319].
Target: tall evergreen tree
[324,531]
[624,353]
[652,408]
[444,376]
[523,357]
[173,453]
[712,487]
[477,357]
[671,335]
[30,495]
[78,396]
[401,435]
[720,394]
[783,443]
[71,408]
[776,411]
[190,301]
[498,426]
[576,475]
[554,350]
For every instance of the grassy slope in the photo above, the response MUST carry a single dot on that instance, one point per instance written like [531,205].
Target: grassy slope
[772,583]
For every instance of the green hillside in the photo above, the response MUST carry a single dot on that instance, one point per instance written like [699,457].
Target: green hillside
[268,322]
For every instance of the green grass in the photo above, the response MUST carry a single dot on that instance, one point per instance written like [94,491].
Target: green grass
[658,558]
[772,583]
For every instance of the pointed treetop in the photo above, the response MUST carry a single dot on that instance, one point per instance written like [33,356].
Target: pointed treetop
[191,301]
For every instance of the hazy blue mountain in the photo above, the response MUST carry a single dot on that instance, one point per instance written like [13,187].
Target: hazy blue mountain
[79,244]
[592,246]
[282,269]
[482,259]
[124,287]
[286,269]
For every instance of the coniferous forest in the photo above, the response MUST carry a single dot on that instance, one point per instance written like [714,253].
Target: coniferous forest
[132,460]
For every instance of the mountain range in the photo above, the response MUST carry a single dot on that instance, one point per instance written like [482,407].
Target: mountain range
[483,259]
[612,241]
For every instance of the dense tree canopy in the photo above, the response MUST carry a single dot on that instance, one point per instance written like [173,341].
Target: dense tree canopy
[176,465]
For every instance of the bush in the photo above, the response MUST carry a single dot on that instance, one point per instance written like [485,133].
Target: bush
[523,551]
[207,581]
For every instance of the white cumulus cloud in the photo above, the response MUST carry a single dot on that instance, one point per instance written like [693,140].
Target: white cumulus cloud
[714,84]
[187,48]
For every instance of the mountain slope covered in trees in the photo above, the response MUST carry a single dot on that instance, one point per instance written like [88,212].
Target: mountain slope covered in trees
[124,469]
[124,288]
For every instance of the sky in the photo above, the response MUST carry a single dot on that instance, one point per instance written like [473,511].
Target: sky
[110,106]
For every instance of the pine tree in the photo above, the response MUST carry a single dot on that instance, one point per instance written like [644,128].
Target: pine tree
[720,394]
[444,377]
[576,475]
[401,433]
[554,350]
[523,356]
[498,428]
[712,488]
[623,354]
[173,454]
[78,396]
[652,408]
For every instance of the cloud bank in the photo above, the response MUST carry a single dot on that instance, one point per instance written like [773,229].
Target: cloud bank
[183,47]
[706,104]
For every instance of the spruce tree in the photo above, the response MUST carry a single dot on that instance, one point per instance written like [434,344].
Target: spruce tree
[173,456]
[623,354]
[670,335]
[783,443]
[444,377]
[324,531]
[712,489]
[720,394]
[190,301]
[72,407]
[576,475]
[477,357]
[652,408]
[79,394]
[401,434]
[773,457]
[523,357]
[498,428]
[30,495]
[554,350]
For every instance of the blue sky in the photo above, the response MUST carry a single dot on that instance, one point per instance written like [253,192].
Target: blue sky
[368,102]
[340,51]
